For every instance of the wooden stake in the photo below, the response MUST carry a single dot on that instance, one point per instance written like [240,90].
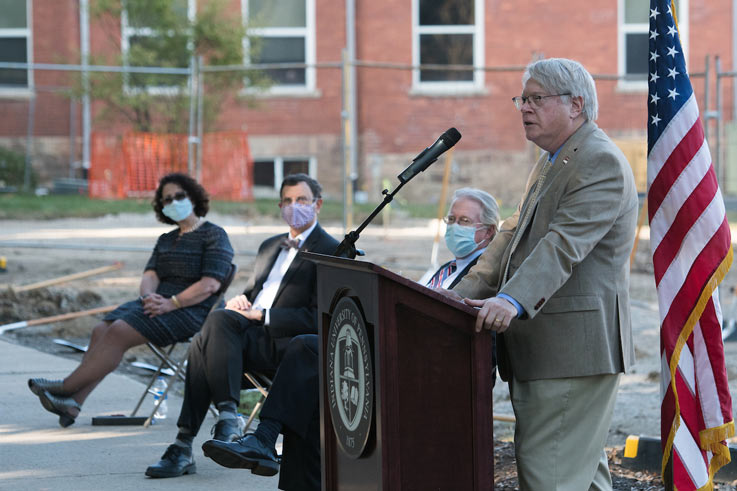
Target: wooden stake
[69,277]
[441,207]
[57,318]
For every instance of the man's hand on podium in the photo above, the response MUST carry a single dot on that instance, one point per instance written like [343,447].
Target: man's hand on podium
[495,314]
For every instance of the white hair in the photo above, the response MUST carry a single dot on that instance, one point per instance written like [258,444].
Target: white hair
[489,206]
[563,76]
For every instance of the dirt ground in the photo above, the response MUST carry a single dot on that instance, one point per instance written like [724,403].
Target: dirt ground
[42,250]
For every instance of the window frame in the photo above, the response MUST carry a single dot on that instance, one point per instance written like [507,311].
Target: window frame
[267,191]
[624,28]
[17,32]
[477,30]
[127,32]
[309,34]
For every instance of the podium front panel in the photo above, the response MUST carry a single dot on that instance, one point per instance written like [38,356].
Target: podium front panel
[432,417]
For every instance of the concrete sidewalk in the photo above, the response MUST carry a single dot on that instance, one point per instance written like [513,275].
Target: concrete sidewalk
[37,454]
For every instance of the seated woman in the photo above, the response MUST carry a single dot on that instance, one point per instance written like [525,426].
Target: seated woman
[177,291]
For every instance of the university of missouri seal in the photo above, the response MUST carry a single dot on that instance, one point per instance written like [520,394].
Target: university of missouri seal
[349,377]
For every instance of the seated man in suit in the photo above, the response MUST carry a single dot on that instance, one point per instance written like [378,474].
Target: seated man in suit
[253,330]
[472,219]
[293,408]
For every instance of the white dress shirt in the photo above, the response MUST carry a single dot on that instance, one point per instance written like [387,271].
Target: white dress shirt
[266,296]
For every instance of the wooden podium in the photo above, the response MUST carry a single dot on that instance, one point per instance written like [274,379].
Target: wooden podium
[405,384]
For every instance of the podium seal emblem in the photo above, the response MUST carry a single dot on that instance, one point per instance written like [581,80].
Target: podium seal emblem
[349,377]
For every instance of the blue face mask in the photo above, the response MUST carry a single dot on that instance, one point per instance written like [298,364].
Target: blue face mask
[178,210]
[460,240]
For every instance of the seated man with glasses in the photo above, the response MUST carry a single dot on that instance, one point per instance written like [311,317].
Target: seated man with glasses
[472,222]
[253,330]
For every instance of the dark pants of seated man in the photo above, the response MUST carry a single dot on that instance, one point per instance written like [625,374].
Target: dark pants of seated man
[227,345]
[293,401]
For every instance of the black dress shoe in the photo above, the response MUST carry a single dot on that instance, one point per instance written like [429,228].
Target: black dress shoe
[175,462]
[247,453]
[61,406]
[226,430]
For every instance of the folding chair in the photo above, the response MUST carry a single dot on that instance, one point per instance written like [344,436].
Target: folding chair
[167,362]
[262,384]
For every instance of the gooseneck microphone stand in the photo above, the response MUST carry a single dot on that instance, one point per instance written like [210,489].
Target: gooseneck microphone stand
[347,248]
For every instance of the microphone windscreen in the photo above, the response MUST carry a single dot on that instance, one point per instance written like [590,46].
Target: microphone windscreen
[451,137]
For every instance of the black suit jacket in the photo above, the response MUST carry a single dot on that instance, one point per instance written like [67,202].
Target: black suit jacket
[294,310]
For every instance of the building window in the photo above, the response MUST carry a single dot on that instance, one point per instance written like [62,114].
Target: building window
[281,31]
[634,36]
[146,43]
[448,32]
[15,43]
[268,173]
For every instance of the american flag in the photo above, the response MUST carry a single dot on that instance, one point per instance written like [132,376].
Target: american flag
[692,251]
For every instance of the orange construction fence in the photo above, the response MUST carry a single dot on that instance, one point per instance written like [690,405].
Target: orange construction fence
[131,165]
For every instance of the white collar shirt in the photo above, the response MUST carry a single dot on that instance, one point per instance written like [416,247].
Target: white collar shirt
[460,266]
[266,296]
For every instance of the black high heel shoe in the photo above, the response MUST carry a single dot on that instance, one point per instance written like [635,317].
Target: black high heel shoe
[38,385]
[60,406]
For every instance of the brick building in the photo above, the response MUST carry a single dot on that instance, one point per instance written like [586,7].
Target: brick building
[400,109]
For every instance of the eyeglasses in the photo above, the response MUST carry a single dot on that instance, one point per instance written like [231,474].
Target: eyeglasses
[302,200]
[534,100]
[462,221]
[177,197]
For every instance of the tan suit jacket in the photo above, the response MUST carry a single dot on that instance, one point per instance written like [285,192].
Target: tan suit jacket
[570,269]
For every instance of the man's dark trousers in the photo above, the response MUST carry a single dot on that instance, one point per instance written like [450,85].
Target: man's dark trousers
[293,401]
[216,362]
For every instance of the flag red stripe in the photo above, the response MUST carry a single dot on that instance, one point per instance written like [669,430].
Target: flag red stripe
[689,402]
[694,206]
[698,276]
[681,478]
[712,333]
[677,161]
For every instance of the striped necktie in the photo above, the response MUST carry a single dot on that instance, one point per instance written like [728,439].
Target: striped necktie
[440,276]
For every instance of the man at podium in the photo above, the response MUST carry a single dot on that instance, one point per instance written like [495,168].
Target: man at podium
[555,284]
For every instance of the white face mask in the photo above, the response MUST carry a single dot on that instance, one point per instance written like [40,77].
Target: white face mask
[178,210]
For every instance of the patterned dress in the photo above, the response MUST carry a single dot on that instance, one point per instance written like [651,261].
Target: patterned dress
[179,261]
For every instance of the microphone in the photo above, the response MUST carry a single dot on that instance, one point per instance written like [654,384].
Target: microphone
[430,154]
